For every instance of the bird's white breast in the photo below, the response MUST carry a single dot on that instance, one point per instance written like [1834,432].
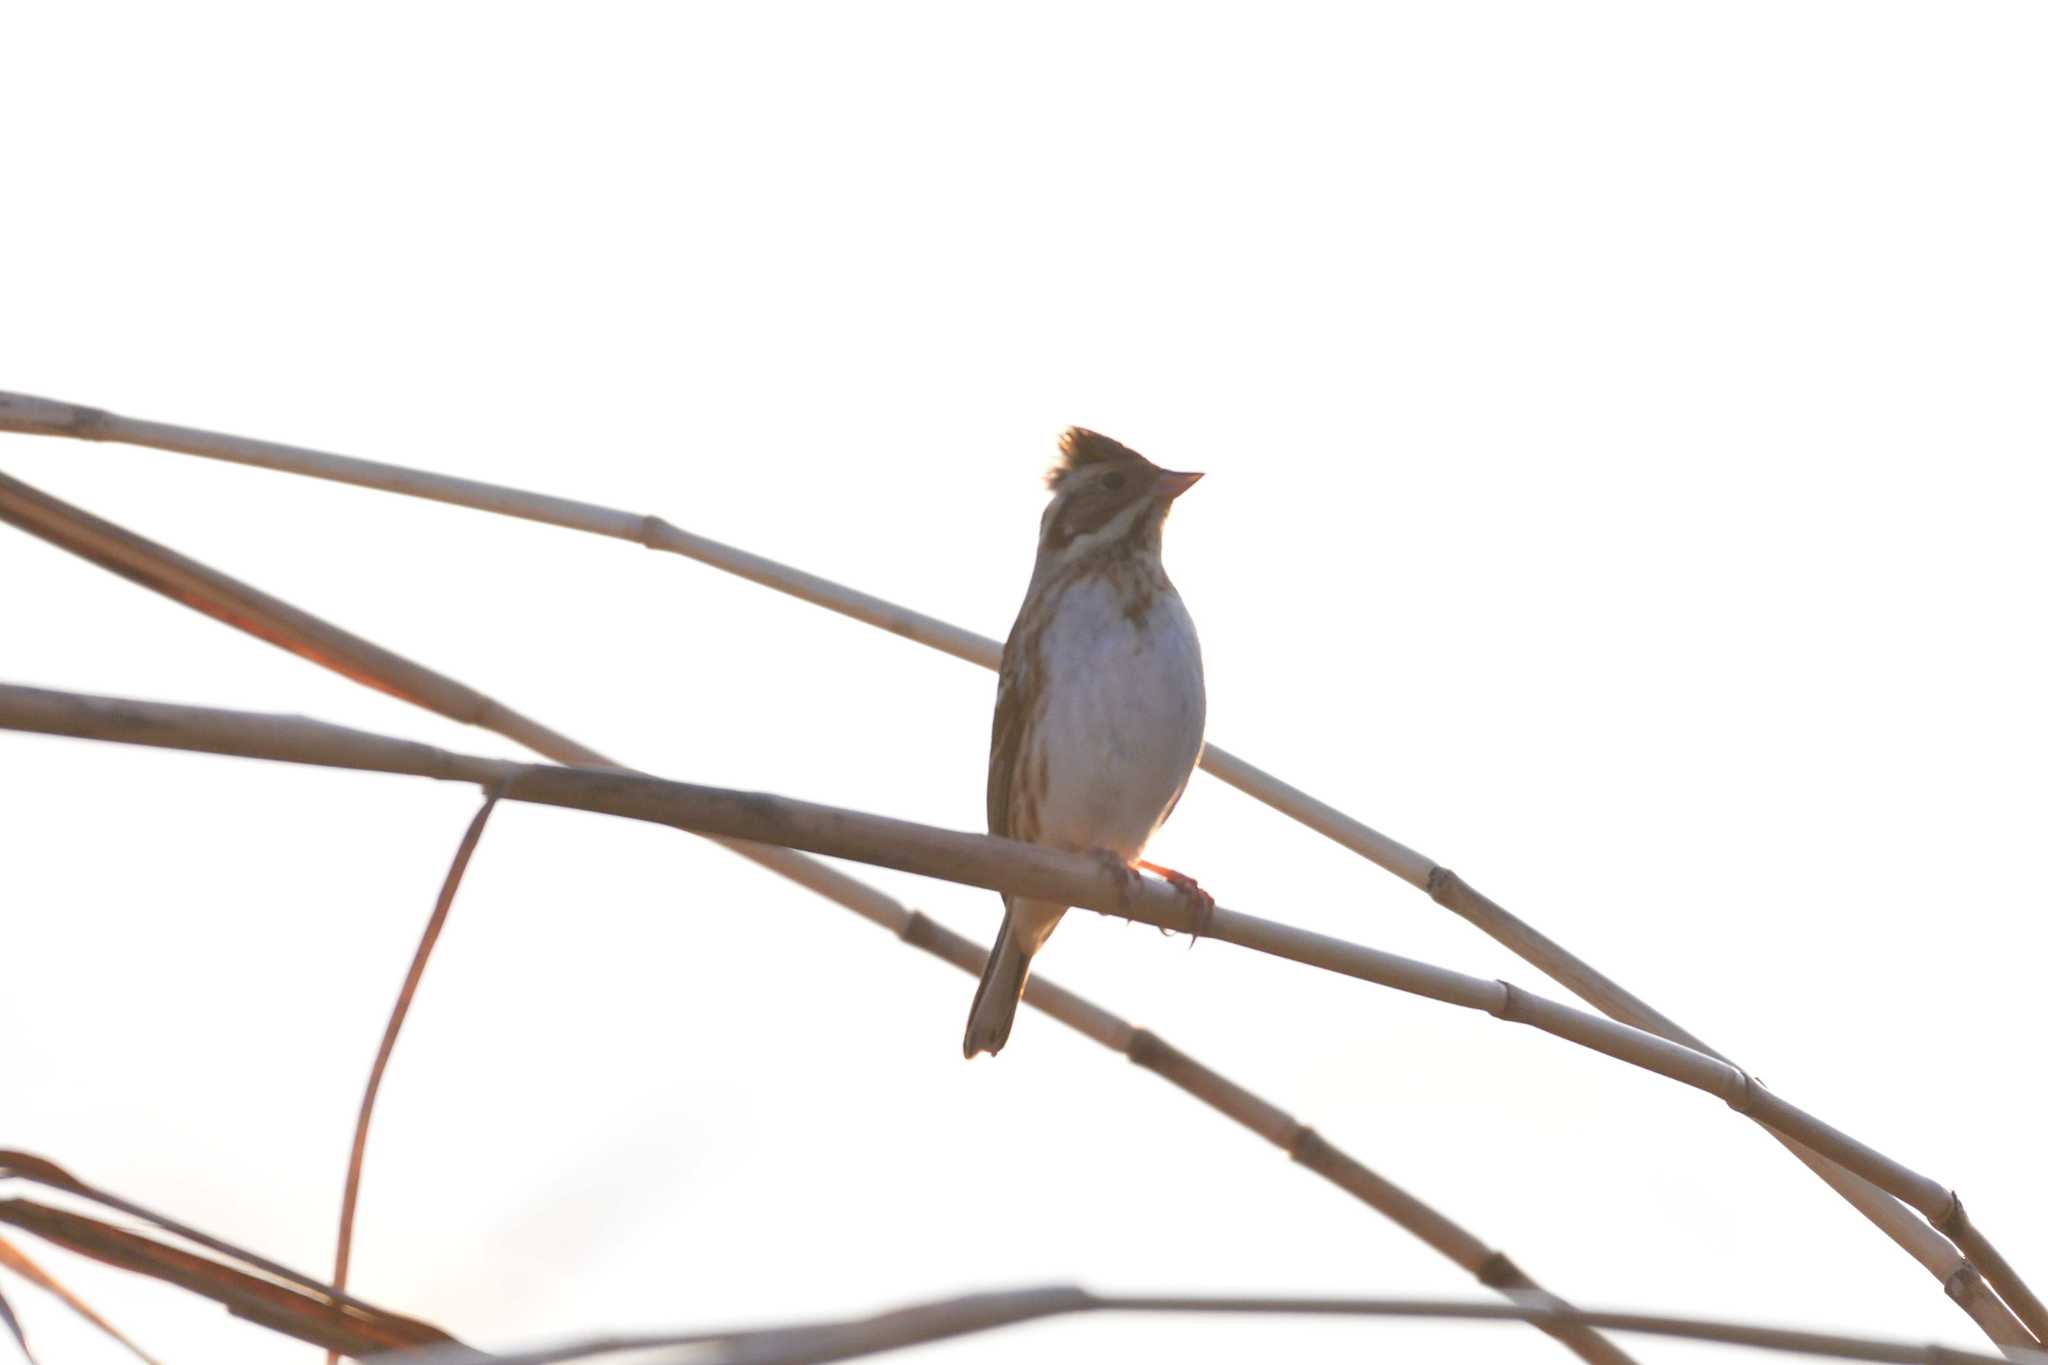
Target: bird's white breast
[1124,709]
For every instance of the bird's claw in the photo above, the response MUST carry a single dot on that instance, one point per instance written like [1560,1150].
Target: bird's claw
[1204,904]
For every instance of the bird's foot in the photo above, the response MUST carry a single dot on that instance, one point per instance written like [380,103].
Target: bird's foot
[1204,904]
[1129,883]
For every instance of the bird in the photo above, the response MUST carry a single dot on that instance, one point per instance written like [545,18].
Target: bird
[1100,703]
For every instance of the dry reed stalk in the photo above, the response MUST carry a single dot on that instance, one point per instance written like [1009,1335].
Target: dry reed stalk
[18,1261]
[281,1307]
[15,1165]
[227,599]
[1949,1264]
[969,1314]
[352,1184]
[30,415]
[996,864]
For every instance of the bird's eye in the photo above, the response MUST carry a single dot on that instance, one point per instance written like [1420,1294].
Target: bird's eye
[1112,481]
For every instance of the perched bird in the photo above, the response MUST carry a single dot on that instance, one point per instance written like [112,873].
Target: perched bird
[1100,703]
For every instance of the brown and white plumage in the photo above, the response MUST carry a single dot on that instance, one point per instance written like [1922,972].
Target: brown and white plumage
[1100,703]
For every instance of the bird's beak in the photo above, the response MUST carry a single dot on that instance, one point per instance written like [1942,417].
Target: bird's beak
[1173,483]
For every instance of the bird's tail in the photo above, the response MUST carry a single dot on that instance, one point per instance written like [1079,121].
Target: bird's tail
[996,999]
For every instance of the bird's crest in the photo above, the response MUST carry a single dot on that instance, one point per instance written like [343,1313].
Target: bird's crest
[1080,447]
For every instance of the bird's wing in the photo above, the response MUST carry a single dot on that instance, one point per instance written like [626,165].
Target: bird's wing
[1006,742]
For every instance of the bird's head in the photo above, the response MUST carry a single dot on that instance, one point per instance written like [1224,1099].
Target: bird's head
[1106,497]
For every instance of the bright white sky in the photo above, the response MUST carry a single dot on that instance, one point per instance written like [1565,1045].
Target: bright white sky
[1625,437]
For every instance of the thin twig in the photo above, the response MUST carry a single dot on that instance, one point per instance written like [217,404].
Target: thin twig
[943,1319]
[237,603]
[1017,869]
[352,1185]
[1960,1280]
[13,1323]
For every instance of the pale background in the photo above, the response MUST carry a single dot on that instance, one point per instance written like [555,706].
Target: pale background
[1624,436]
